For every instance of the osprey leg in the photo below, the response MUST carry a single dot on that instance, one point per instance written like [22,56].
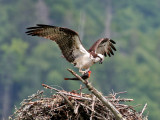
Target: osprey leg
[83,72]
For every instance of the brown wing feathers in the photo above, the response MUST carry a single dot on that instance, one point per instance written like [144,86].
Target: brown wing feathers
[103,46]
[68,40]
[49,32]
[111,46]
[64,37]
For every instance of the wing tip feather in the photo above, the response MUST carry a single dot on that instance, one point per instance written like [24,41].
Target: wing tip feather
[112,41]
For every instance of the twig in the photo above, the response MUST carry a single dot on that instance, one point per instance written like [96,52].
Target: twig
[76,108]
[33,96]
[121,100]
[136,105]
[92,110]
[60,93]
[116,113]
[80,89]
[59,107]
[66,99]
[76,96]
[145,106]
[49,87]
[93,104]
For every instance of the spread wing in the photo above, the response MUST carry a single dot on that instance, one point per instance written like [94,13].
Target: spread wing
[67,40]
[103,46]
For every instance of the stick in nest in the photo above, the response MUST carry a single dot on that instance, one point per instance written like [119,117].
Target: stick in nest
[116,113]
[145,106]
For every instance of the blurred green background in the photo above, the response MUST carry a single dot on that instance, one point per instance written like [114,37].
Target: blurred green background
[26,62]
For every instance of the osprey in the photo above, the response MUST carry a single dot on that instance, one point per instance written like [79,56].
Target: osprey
[72,48]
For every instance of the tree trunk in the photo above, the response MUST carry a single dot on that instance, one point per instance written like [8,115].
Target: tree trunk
[42,12]
[82,24]
[107,31]
[6,102]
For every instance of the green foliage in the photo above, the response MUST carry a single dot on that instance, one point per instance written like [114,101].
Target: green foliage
[12,57]
[27,62]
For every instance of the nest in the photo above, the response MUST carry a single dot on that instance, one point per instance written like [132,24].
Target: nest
[73,105]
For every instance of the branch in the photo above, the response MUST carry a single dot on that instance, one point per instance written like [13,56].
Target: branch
[93,105]
[49,87]
[60,93]
[121,100]
[116,113]
[93,111]
[145,106]
[66,99]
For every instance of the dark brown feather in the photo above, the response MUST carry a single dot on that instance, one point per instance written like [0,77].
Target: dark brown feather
[64,37]
[105,54]
[110,50]
[112,41]
[113,47]
[109,54]
[95,45]
[103,46]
